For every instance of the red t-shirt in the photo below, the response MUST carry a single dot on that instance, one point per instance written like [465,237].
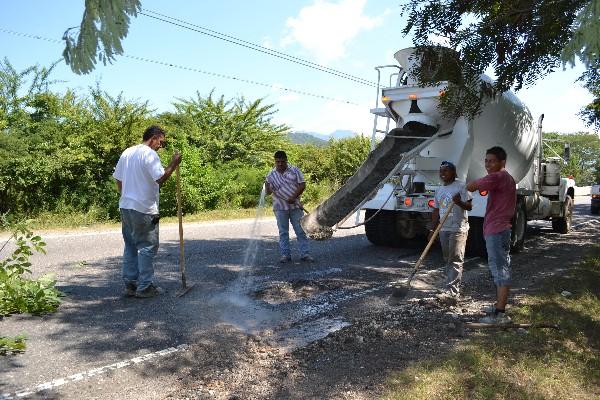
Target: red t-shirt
[501,201]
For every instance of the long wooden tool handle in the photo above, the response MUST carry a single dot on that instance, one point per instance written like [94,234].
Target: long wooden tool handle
[479,325]
[433,236]
[179,216]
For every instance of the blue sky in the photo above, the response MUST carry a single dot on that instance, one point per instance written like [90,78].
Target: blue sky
[352,36]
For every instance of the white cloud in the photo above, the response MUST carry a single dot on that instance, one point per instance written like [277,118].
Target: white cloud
[325,28]
[266,42]
[288,98]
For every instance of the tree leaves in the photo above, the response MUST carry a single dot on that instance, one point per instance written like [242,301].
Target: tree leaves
[523,40]
[104,25]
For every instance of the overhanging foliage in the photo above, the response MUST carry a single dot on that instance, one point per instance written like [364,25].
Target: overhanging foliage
[523,40]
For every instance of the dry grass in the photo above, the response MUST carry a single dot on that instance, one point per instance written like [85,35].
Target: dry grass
[58,222]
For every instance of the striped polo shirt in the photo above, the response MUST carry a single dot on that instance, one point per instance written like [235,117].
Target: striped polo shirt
[284,185]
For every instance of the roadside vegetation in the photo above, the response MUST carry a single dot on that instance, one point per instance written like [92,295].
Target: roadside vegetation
[534,364]
[19,293]
[58,151]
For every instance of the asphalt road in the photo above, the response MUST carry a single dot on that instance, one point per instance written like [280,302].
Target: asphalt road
[102,345]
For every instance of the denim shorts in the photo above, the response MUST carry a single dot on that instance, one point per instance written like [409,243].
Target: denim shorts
[498,249]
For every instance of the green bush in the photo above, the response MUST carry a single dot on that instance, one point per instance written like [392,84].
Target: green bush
[19,294]
[58,150]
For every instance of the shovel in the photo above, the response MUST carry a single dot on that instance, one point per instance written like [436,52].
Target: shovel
[184,286]
[401,290]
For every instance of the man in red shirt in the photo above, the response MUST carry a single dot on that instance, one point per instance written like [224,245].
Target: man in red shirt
[497,227]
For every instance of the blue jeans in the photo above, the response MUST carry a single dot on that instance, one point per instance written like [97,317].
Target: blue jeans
[498,249]
[283,218]
[140,233]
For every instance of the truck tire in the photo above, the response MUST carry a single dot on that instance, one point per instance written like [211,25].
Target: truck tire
[563,224]
[519,227]
[475,240]
[595,210]
[381,229]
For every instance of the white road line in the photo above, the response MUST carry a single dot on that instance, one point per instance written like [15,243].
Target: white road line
[21,393]
[590,221]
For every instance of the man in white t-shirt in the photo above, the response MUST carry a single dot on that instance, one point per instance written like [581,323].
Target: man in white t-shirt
[453,234]
[139,175]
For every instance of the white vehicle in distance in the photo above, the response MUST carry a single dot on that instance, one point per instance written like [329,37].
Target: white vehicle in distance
[595,203]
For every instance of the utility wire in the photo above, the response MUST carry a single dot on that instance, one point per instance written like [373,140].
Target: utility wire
[253,46]
[169,64]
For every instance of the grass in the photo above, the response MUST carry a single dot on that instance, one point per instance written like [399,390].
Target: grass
[542,364]
[11,345]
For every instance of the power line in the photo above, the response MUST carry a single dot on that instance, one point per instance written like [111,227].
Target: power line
[253,46]
[177,66]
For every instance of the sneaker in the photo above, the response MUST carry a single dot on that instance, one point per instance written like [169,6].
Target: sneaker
[491,309]
[285,259]
[447,298]
[150,291]
[307,258]
[496,319]
[129,290]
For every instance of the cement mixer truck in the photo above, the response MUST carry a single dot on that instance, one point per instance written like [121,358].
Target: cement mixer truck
[395,185]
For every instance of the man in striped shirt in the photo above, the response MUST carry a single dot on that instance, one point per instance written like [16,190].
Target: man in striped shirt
[286,184]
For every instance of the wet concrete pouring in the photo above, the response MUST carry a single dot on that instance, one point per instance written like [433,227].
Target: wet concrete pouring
[324,329]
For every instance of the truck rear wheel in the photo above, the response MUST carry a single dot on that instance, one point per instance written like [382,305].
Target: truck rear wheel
[381,229]
[475,240]
[519,228]
[563,224]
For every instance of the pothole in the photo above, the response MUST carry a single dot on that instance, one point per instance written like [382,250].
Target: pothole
[299,289]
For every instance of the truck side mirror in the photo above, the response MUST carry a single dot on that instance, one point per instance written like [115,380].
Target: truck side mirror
[567,154]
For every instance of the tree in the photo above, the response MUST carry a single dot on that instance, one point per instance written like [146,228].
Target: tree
[229,130]
[591,113]
[584,160]
[523,40]
[104,25]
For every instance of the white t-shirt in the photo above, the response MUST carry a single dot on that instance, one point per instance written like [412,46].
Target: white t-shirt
[138,169]
[458,219]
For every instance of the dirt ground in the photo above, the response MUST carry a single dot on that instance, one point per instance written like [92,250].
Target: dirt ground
[354,362]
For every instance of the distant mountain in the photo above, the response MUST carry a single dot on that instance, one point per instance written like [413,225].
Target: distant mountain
[342,134]
[337,134]
[306,138]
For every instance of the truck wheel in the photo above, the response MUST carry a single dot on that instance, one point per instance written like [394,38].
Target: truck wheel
[380,230]
[475,239]
[563,224]
[519,228]
[594,210]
